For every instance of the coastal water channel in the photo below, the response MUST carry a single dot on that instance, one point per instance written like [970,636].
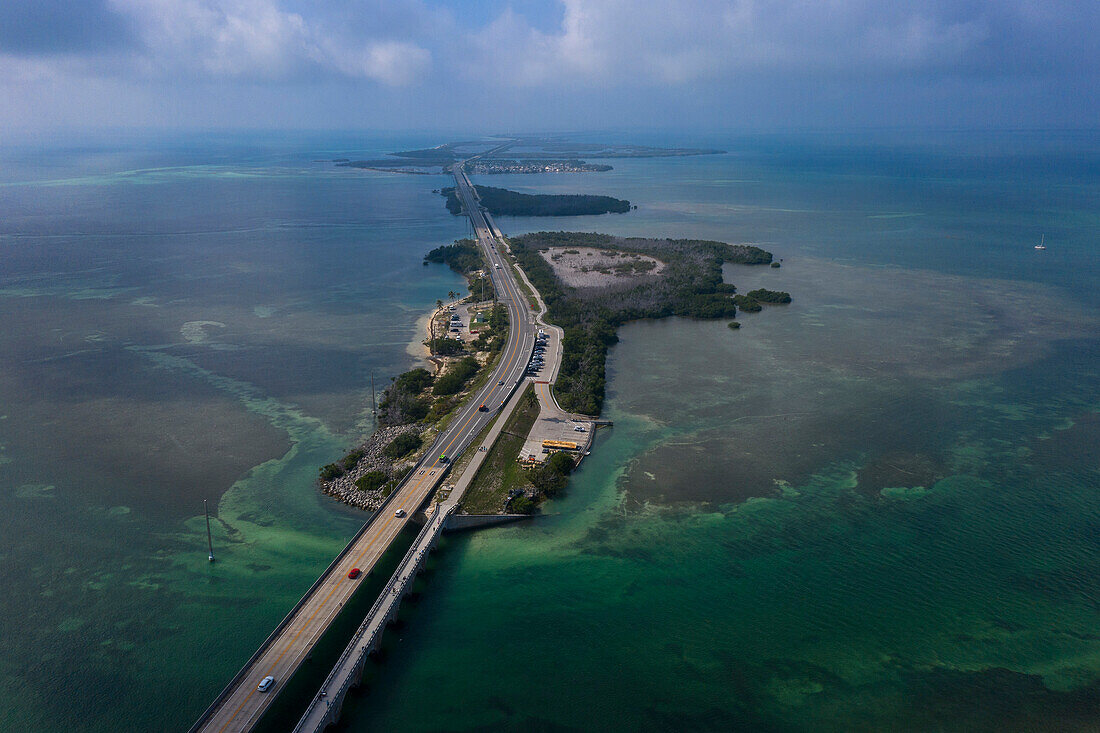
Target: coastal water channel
[873,509]
[184,323]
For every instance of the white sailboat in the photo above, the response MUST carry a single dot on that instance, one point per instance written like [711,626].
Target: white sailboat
[1042,243]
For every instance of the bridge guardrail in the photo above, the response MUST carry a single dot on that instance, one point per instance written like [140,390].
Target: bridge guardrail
[231,685]
[301,601]
[440,519]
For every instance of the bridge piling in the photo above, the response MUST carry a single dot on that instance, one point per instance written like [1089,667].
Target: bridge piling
[348,671]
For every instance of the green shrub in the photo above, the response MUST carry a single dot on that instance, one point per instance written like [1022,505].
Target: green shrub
[414,380]
[446,346]
[770,296]
[456,377]
[402,445]
[330,472]
[498,318]
[351,459]
[371,480]
[561,463]
[522,505]
[482,288]
[463,256]
[401,402]
[747,304]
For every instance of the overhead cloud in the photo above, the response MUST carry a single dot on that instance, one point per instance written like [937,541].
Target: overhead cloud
[47,27]
[681,41]
[620,55]
[233,38]
[390,62]
[253,40]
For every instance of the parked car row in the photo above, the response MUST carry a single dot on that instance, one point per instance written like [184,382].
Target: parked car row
[537,362]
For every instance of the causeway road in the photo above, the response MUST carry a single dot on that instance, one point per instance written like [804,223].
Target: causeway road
[241,704]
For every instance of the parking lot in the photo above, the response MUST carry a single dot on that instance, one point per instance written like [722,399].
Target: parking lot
[556,426]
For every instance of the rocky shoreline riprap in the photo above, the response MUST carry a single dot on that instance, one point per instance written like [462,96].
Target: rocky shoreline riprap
[343,487]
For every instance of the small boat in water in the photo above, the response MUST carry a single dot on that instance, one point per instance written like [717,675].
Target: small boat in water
[1042,243]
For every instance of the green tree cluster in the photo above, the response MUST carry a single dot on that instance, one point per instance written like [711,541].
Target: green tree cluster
[747,304]
[502,202]
[463,256]
[446,346]
[456,377]
[403,401]
[351,459]
[371,480]
[769,296]
[690,285]
[523,505]
[551,477]
[330,471]
[402,445]
[481,287]
[414,380]
[492,337]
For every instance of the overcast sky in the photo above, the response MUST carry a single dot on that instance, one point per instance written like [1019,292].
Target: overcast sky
[498,66]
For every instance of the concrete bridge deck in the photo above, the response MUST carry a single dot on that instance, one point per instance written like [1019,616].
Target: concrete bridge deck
[241,705]
[325,706]
[324,709]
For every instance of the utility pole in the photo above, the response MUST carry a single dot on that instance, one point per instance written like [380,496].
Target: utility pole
[209,539]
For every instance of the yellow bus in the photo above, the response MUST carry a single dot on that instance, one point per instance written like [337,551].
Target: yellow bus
[560,445]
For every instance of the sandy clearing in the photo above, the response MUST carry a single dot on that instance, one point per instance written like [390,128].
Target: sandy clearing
[587,267]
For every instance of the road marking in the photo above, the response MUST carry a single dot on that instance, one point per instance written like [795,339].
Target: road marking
[414,488]
[304,625]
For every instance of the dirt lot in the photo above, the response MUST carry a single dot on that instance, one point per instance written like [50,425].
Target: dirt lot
[585,267]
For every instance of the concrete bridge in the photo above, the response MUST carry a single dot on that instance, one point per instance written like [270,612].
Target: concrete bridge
[241,705]
[324,709]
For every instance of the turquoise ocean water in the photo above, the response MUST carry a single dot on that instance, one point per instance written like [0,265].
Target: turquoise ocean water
[877,508]
[184,323]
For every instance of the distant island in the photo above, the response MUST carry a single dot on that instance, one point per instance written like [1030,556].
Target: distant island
[501,155]
[534,165]
[502,202]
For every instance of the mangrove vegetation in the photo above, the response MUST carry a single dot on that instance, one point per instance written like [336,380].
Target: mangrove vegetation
[690,285]
[502,202]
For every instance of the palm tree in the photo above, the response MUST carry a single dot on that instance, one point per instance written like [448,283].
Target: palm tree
[439,308]
[431,325]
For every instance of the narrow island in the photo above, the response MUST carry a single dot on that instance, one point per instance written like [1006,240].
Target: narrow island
[501,166]
[507,155]
[755,300]
[581,287]
[502,202]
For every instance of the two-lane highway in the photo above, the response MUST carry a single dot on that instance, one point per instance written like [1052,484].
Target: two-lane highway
[241,704]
